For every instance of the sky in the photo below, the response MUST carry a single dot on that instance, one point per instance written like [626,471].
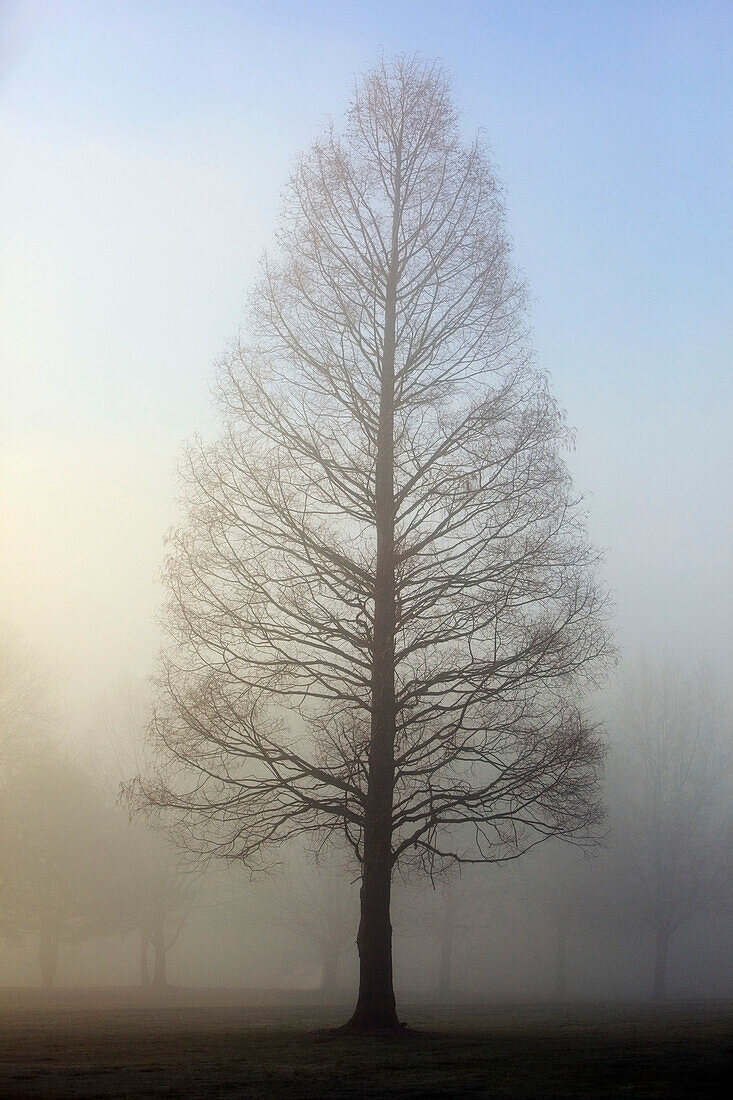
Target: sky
[144,150]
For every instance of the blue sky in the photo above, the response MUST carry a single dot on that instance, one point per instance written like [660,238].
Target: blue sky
[145,146]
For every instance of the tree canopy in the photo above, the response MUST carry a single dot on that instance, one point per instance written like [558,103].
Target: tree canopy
[382,608]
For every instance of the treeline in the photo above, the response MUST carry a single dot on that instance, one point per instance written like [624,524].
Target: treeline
[660,876]
[76,867]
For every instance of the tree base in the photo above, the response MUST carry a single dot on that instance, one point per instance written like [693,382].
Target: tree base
[371,1016]
[365,1031]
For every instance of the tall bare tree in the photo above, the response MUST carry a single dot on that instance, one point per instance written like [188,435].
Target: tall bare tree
[671,799]
[381,608]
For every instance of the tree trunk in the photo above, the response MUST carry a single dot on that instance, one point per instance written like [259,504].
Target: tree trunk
[144,966]
[446,955]
[659,989]
[561,960]
[160,980]
[375,1006]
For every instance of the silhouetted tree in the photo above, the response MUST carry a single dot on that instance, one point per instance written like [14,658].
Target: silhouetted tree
[382,609]
[672,825]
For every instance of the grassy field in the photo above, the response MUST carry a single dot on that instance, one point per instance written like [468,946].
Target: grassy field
[206,1046]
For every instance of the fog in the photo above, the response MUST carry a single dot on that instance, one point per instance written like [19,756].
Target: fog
[561,923]
[146,150]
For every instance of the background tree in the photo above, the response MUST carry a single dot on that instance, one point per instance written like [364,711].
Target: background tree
[20,723]
[446,913]
[381,607]
[671,797]
[59,846]
[313,898]
[155,895]
[24,706]
[155,889]
[566,897]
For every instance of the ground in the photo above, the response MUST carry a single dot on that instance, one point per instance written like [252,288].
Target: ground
[213,1045]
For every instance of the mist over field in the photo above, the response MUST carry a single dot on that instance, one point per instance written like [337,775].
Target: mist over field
[365,544]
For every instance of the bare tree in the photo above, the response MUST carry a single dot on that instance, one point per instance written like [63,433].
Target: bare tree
[58,845]
[672,827]
[567,895]
[381,608]
[154,888]
[447,911]
[312,898]
[54,827]
[154,896]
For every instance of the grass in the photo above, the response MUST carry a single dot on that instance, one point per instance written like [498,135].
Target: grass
[82,1046]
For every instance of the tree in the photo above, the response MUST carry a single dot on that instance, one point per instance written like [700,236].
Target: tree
[381,607]
[58,840]
[672,827]
[24,709]
[568,896]
[22,715]
[457,907]
[313,899]
[154,890]
[155,897]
